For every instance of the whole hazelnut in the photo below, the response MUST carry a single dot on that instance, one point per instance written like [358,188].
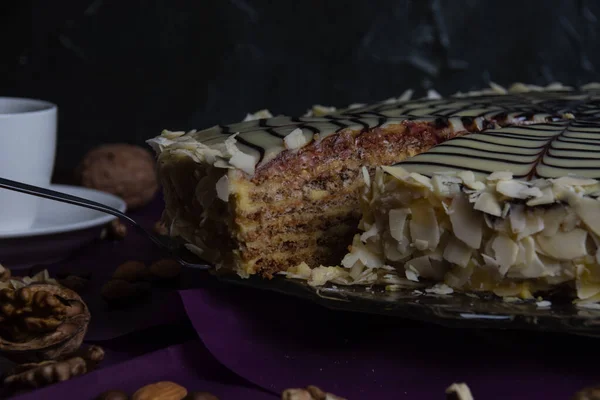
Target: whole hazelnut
[117,230]
[131,271]
[122,169]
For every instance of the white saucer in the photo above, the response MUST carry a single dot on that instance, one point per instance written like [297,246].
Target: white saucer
[54,217]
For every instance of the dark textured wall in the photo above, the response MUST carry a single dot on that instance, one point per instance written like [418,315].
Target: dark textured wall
[122,70]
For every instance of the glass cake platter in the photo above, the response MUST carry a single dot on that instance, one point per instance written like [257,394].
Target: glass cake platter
[456,310]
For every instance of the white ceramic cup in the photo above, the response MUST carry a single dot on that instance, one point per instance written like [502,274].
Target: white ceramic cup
[27,151]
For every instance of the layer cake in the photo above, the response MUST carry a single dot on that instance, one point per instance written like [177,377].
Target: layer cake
[276,194]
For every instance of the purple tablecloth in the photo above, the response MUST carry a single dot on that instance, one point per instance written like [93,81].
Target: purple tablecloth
[241,343]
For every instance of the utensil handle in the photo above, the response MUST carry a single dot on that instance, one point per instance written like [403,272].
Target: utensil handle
[62,197]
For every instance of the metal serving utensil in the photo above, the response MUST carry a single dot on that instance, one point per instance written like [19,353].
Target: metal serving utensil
[176,250]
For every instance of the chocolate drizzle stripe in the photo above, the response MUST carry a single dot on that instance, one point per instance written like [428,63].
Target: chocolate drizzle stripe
[578,141]
[259,149]
[489,141]
[448,167]
[358,121]
[460,158]
[509,153]
[273,132]
[339,124]
[552,154]
[309,127]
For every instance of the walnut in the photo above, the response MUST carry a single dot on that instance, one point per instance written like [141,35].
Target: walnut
[161,390]
[40,321]
[31,376]
[4,273]
[590,393]
[34,375]
[93,355]
[310,393]
[131,271]
[113,395]
[165,269]
[124,170]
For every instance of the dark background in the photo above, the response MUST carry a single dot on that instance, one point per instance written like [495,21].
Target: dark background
[122,70]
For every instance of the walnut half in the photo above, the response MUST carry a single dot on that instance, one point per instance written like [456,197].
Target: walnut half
[40,321]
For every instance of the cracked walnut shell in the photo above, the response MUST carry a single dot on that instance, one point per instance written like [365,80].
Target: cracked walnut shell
[124,170]
[41,321]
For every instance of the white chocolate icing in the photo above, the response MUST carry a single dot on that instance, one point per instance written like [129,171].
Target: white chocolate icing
[259,141]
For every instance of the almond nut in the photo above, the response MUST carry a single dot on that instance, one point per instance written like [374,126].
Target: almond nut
[161,391]
[165,269]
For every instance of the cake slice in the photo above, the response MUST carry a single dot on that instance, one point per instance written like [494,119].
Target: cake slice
[269,194]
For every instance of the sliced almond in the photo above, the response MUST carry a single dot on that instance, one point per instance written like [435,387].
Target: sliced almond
[534,223]
[532,267]
[574,181]
[222,188]
[295,139]
[500,176]
[512,189]
[397,221]
[395,171]
[424,226]
[458,253]
[422,180]
[466,222]
[458,276]
[588,210]
[553,217]
[564,245]
[506,251]
[488,204]
[445,186]
[546,197]
[516,216]
[422,265]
